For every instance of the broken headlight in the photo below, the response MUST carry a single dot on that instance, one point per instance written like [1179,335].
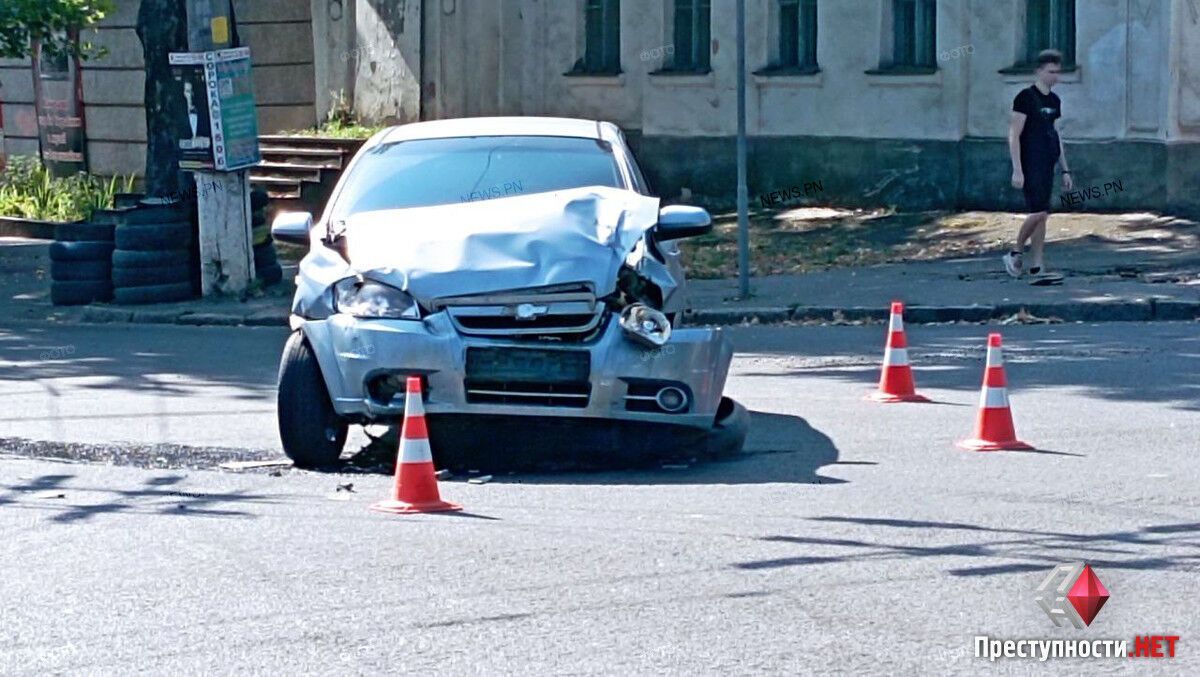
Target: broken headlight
[645,325]
[367,298]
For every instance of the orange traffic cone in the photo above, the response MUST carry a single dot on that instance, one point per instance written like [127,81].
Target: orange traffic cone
[416,488]
[994,428]
[896,381]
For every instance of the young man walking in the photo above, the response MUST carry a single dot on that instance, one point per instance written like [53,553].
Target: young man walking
[1035,147]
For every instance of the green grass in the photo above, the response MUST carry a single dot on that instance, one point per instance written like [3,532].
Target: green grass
[338,131]
[28,191]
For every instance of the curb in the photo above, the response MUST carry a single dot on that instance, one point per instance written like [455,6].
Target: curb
[1091,311]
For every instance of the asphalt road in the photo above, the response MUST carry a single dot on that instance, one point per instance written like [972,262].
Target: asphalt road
[852,537]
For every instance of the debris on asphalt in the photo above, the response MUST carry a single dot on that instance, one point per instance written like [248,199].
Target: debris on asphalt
[443,474]
[347,487]
[250,465]
[157,456]
[50,494]
[482,479]
[1025,317]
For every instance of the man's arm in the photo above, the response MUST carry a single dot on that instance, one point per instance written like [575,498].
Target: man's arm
[1068,183]
[1016,123]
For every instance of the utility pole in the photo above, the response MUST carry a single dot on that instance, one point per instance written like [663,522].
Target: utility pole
[223,197]
[743,197]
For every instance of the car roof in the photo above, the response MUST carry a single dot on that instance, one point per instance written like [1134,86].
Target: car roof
[500,126]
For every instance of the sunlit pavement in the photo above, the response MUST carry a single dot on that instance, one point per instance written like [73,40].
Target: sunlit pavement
[853,536]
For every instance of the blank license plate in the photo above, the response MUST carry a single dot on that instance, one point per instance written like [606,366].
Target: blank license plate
[526,364]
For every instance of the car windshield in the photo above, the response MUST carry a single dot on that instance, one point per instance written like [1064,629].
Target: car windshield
[428,172]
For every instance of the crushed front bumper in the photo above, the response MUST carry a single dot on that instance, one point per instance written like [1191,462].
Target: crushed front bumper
[357,356]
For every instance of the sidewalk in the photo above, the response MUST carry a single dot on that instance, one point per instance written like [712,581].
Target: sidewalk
[1137,280]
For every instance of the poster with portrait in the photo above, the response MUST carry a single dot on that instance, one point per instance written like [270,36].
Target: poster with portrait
[219,130]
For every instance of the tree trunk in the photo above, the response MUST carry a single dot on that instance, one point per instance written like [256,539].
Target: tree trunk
[162,28]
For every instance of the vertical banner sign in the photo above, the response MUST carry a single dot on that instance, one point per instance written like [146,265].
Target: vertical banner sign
[221,129]
[61,136]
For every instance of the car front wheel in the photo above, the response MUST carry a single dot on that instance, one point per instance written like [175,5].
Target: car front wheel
[311,431]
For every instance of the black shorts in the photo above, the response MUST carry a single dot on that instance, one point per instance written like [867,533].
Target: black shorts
[1039,183]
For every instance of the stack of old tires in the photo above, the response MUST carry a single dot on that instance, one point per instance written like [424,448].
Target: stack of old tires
[152,262]
[266,262]
[81,261]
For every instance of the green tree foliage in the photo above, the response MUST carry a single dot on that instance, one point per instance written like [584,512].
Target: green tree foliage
[53,22]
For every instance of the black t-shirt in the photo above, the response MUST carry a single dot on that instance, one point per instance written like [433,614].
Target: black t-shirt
[1039,139]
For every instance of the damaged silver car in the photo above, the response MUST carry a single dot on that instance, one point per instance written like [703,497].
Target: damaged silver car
[519,267]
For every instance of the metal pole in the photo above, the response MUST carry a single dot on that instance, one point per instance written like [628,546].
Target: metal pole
[742,193]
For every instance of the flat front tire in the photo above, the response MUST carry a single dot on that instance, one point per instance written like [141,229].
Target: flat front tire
[311,431]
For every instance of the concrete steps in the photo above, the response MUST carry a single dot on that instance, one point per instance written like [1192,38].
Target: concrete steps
[299,172]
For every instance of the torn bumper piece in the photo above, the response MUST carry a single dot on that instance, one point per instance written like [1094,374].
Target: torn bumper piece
[364,363]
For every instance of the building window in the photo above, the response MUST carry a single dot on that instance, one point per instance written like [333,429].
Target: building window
[693,35]
[601,39]
[798,34]
[1050,24]
[914,33]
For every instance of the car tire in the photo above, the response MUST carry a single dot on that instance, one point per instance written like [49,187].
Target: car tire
[155,237]
[730,426]
[149,215]
[311,431]
[269,275]
[81,232]
[264,256]
[157,259]
[155,293]
[259,199]
[80,271]
[142,276]
[262,235]
[89,250]
[80,292]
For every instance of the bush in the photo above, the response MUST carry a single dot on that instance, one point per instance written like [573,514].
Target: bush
[28,191]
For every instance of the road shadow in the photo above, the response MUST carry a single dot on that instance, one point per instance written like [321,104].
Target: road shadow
[52,499]
[1000,550]
[1109,361]
[780,448]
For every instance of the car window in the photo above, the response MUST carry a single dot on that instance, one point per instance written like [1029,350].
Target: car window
[428,172]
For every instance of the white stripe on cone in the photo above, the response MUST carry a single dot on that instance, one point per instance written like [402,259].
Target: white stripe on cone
[993,398]
[995,357]
[415,451]
[896,357]
[897,323]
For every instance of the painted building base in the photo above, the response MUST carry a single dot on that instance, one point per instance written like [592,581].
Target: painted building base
[974,173]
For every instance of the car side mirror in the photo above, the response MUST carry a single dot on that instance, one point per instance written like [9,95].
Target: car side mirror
[292,227]
[679,221]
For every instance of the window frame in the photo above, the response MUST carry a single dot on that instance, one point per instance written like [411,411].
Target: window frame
[600,39]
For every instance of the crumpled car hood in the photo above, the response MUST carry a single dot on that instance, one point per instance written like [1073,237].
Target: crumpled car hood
[578,235]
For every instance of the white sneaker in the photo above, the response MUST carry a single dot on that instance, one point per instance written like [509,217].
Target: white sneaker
[1012,263]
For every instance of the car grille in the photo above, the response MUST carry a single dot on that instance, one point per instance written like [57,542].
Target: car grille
[530,377]
[557,313]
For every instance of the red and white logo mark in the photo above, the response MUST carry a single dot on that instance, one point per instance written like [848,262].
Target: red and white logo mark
[1072,592]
